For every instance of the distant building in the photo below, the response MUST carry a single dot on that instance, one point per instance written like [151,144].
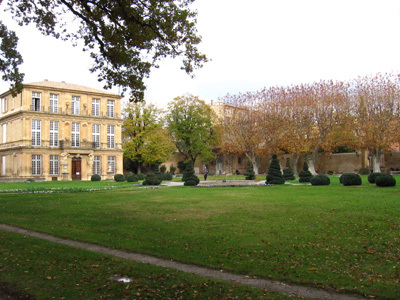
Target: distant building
[60,131]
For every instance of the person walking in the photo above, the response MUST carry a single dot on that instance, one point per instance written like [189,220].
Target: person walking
[205,172]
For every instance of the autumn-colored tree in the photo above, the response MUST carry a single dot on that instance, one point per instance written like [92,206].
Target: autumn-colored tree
[376,104]
[242,131]
[145,139]
[189,122]
[125,38]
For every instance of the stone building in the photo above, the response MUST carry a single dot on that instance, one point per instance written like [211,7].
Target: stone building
[60,131]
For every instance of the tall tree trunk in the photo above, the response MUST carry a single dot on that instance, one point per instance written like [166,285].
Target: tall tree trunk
[311,158]
[376,160]
[250,155]
[295,159]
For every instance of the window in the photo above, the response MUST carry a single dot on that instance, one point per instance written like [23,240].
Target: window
[36,101]
[36,132]
[96,135]
[75,106]
[4,133]
[111,164]
[3,165]
[4,105]
[53,133]
[54,169]
[76,134]
[110,136]
[97,165]
[110,108]
[36,164]
[96,107]
[53,103]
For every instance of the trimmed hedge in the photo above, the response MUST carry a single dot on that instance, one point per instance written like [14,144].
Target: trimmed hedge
[141,176]
[384,180]
[320,180]
[95,177]
[131,177]
[166,176]
[305,175]
[119,177]
[372,177]
[152,179]
[348,179]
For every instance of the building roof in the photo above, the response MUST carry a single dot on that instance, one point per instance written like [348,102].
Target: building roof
[68,86]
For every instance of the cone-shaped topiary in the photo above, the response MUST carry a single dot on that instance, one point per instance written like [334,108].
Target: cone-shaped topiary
[152,179]
[156,170]
[288,172]
[190,178]
[250,174]
[274,173]
[305,175]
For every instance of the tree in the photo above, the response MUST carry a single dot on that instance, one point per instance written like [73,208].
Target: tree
[376,104]
[242,132]
[10,59]
[125,38]
[190,125]
[145,139]
[274,173]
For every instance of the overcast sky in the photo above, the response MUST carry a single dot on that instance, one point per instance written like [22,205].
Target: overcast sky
[252,44]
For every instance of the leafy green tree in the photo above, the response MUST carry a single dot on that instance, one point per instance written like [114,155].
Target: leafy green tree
[125,38]
[190,125]
[10,58]
[145,139]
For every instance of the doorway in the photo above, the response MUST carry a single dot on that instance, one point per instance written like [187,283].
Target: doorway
[76,169]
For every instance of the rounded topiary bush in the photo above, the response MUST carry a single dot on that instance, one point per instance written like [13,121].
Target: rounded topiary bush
[372,177]
[131,177]
[348,179]
[95,177]
[152,179]
[141,176]
[385,180]
[305,175]
[166,176]
[119,177]
[320,180]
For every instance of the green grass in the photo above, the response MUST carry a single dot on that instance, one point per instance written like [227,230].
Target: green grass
[46,270]
[333,237]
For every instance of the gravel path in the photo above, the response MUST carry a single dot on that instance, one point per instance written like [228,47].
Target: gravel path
[290,289]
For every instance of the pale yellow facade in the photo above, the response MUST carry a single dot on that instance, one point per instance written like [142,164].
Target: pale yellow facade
[60,131]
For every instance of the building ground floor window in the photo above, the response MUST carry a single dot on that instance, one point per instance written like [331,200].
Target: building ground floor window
[36,164]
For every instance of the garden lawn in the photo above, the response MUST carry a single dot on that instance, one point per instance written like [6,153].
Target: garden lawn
[332,237]
[39,269]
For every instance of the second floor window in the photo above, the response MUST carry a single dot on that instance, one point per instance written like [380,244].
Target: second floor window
[110,136]
[4,105]
[36,101]
[4,133]
[53,133]
[53,108]
[96,107]
[36,132]
[76,134]
[76,105]
[96,135]
[110,108]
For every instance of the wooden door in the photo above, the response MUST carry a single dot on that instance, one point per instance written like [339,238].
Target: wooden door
[76,169]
